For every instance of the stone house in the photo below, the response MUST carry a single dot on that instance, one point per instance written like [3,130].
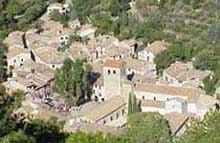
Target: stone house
[134,66]
[61,8]
[105,113]
[18,52]
[165,99]
[148,53]
[183,74]
[113,74]
[49,56]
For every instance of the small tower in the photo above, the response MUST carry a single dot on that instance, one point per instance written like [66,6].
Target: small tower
[113,73]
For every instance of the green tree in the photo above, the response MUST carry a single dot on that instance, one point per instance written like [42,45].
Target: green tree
[56,16]
[163,60]
[2,65]
[130,105]
[7,105]
[205,60]
[44,131]
[73,81]
[203,131]
[148,127]
[80,137]
[210,83]
[17,137]
[133,105]
[181,52]
[14,8]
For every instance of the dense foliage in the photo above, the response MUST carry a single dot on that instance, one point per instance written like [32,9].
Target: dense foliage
[142,127]
[204,131]
[134,106]
[20,14]
[2,63]
[148,127]
[73,81]
[191,26]
[20,131]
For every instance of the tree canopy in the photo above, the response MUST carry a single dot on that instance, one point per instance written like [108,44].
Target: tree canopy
[148,127]
[204,131]
[73,81]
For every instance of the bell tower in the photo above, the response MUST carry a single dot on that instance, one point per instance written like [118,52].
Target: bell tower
[113,72]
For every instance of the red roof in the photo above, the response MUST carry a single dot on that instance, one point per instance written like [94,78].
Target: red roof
[114,63]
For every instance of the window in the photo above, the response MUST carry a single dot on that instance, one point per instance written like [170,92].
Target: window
[103,99]
[14,61]
[104,122]
[114,72]
[154,98]
[123,112]
[96,99]
[22,60]
[143,97]
[109,72]
[53,66]
[117,115]
[111,118]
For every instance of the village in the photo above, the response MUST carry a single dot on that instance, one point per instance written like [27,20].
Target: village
[126,70]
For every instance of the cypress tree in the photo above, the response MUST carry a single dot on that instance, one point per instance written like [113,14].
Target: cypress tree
[130,105]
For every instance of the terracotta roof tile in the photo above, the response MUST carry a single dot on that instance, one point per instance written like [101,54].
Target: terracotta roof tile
[114,63]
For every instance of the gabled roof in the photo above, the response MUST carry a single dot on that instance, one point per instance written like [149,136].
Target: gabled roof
[157,47]
[103,109]
[14,40]
[191,94]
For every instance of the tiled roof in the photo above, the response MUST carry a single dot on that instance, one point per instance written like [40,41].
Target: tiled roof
[157,47]
[113,63]
[12,52]
[184,71]
[103,109]
[191,94]
[50,55]
[14,40]
[137,64]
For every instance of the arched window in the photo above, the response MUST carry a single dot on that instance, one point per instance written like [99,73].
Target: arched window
[123,112]
[111,118]
[114,72]
[109,72]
